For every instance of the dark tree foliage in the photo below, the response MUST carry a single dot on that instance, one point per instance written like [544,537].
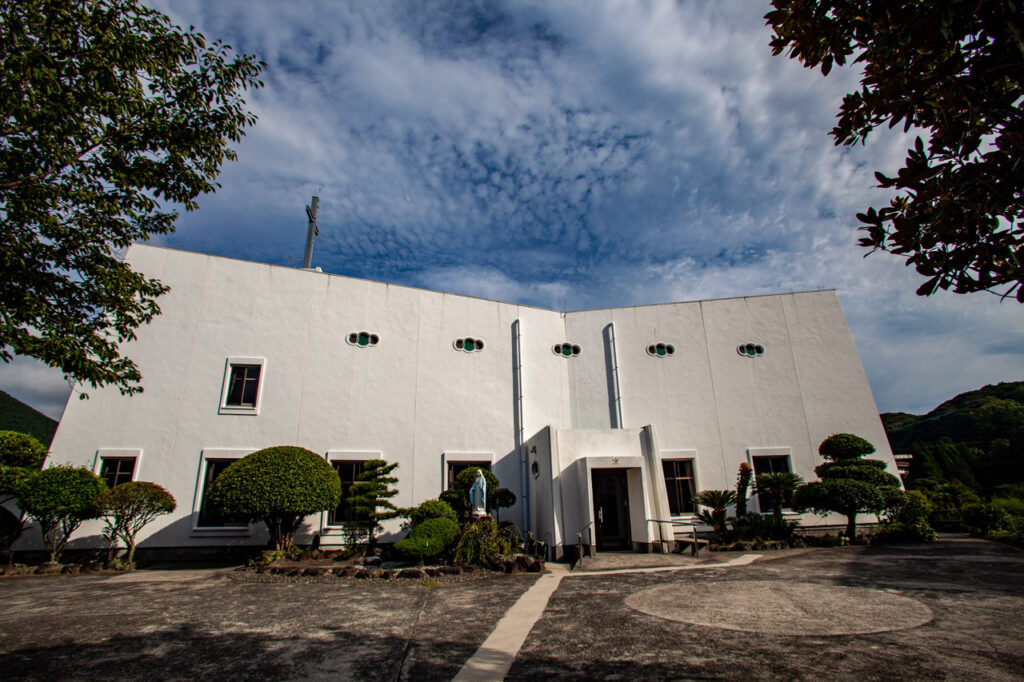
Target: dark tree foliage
[111,114]
[975,438]
[955,70]
[279,486]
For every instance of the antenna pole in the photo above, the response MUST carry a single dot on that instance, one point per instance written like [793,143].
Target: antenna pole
[311,232]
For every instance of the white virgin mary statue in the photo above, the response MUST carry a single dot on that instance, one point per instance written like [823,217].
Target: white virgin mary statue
[478,494]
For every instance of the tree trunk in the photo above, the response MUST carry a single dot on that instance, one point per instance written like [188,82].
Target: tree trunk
[851,526]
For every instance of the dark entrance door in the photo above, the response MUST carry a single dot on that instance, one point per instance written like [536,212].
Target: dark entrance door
[611,509]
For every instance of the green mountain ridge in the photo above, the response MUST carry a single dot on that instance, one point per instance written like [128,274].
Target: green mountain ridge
[17,416]
[975,438]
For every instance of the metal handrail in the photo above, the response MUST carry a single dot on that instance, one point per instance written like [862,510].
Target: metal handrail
[579,542]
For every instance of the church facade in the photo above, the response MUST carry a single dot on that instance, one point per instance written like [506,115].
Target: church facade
[604,423]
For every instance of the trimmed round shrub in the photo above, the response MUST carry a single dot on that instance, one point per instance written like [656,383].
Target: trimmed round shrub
[130,506]
[279,486]
[844,446]
[429,539]
[431,509]
[59,499]
[21,450]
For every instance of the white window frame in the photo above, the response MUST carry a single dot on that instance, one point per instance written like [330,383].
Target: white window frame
[344,456]
[226,385]
[456,457]
[197,501]
[117,453]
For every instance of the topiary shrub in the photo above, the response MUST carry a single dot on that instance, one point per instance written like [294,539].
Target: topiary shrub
[369,498]
[850,485]
[59,499]
[844,446]
[465,479]
[501,498]
[279,486]
[431,509]
[21,450]
[429,538]
[130,506]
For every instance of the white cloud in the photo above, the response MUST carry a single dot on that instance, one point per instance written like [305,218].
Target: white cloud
[577,154]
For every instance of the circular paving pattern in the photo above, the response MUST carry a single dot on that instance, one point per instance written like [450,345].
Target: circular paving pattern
[783,608]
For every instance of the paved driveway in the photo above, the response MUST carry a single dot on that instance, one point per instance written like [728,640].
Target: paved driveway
[951,610]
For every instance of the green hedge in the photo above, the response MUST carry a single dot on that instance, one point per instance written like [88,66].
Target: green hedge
[429,539]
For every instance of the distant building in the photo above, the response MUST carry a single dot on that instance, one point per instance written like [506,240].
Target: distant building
[903,462]
[605,421]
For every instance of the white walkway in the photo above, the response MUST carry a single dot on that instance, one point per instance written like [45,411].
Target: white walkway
[494,658]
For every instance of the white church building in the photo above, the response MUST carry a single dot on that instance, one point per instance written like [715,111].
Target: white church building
[602,422]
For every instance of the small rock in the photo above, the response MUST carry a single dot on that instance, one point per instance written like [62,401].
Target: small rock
[450,570]
[371,561]
[70,569]
[315,571]
[388,574]
[363,574]
[412,574]
[432,572]
[536,567]
[49,568]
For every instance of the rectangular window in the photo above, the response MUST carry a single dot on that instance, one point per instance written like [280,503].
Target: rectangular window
[117,470]
[208,517]
[680,485]
[771,464]
[456,468]
[348,472]
[242,390]
[244,386]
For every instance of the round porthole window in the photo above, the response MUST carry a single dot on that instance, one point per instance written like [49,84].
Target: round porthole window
[363,339]
[468,344]
[661,350]
[750,350]
[566,350]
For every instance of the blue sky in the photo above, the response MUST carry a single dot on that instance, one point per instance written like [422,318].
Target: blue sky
[570,155]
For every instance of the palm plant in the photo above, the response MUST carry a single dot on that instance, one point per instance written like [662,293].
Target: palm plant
[777,489]
[718,501]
